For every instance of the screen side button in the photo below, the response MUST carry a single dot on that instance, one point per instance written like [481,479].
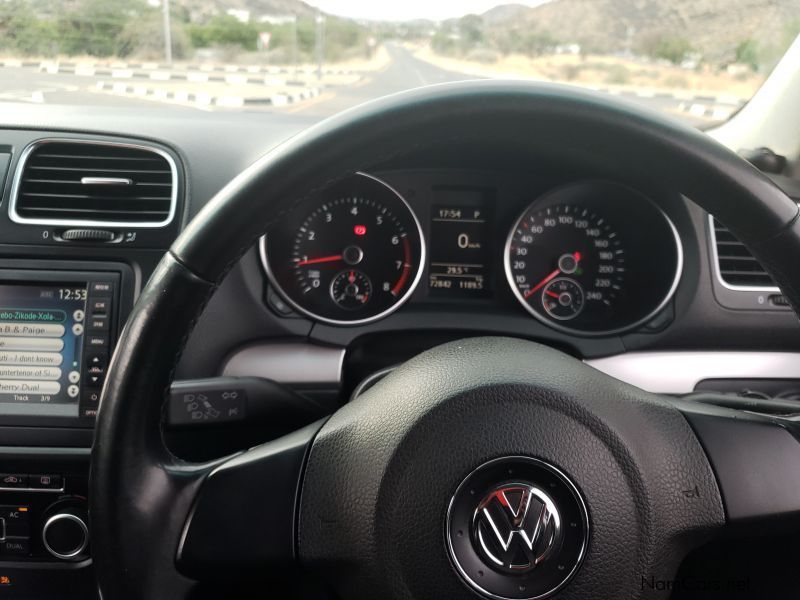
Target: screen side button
[99,305]
[97,360]
[101,288]
[97,341]
[96,364]
[98,323]
[94,372]
[90,397]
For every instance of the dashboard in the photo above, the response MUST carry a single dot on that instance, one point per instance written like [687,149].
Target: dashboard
[365,272]
[368,269]
[587,258]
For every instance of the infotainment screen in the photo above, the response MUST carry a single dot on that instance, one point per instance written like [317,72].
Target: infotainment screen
[42,333]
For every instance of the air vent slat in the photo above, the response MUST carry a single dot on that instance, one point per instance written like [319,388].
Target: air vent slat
[61,183]
[95,170]
[750,259]
[42,155]
[121,210]
[67,189]
[130,213]
[94,197]
[737,266]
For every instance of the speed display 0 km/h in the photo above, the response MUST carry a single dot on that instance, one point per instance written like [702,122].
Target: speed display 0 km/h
[593,258]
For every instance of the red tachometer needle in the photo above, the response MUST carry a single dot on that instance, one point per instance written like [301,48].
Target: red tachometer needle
[321,259]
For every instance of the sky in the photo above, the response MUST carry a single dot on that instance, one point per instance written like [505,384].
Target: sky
[405,10]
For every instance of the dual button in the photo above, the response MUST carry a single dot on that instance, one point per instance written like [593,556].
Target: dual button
[15,530]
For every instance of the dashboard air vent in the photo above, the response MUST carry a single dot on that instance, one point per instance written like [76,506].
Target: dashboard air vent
[94,183]
[737,267]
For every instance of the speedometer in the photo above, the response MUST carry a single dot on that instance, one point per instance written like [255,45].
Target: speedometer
[593,258]
[564,258]
[350,255]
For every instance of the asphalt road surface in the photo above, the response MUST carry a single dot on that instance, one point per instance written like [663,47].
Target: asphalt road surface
[404,71]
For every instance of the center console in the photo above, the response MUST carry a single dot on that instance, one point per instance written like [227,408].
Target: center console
[59,322]
[84,221]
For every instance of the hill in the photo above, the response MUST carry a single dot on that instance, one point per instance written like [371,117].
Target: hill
[199,9]
[504,14]
[713,27]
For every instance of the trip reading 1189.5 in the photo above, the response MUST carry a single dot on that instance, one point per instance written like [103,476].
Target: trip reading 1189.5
[458,251]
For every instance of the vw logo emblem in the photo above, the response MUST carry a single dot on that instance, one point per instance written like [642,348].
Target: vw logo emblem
[516,527]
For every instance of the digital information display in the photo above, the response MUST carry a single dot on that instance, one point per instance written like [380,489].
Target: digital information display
[459,245]
[41,344]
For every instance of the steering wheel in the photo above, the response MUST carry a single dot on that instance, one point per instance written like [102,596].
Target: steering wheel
[493,466]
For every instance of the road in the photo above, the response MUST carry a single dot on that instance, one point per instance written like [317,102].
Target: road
[404,71]
[27,84]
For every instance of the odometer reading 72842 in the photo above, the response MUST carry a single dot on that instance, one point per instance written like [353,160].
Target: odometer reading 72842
[353,255]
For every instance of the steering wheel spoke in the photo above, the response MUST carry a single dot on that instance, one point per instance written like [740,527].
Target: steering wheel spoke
[756,459]
[243,519]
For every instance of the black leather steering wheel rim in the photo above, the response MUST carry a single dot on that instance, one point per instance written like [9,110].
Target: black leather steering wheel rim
[141,495]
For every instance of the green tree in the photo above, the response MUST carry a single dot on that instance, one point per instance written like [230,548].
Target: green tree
[224,30]
[21,31]
[344,38]
[747,53]
[95,27]
[470,29]
[666,46]
[144,37]
[443,42]
[537,43]
[529,42]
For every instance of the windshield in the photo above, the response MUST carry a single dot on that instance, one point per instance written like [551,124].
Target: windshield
[699,60]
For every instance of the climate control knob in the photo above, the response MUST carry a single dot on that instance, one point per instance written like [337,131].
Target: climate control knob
[66,535]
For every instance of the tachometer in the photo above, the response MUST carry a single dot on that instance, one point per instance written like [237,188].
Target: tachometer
[593,258]
[351,255]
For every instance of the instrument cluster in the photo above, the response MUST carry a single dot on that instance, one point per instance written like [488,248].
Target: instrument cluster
[587,258]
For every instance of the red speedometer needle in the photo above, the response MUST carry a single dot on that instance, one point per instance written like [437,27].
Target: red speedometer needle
[542,283]
[321,259]
[576,255]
